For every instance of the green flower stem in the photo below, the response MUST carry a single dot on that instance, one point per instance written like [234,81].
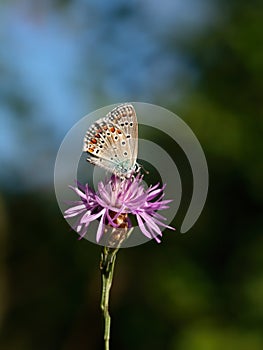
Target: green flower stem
[108,257]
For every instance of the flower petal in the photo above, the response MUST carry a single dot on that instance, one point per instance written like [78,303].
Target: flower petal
[104,194]
[77,208]
[142,227]
[84,231]
[101,226]
[154,235]
[153,194]
[162,224]
[80,193]
[88,217]
[151,223]
[159,216]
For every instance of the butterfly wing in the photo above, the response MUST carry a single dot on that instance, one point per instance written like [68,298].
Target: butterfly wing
[113,140]
[125,119]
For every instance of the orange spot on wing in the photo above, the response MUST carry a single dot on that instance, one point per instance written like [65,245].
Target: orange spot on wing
[118,131]
[94,141]
[112,129]
[91,150]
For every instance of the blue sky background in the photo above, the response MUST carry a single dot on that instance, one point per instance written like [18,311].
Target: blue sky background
[59,62]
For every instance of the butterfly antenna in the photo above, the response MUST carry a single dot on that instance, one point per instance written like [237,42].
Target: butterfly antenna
[140,166]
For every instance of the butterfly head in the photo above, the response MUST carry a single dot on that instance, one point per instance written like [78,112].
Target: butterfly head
[124,170]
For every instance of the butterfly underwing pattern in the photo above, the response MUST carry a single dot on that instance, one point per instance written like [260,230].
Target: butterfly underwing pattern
[113,141]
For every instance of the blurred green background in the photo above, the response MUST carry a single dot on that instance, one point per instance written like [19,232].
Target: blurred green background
[60,60]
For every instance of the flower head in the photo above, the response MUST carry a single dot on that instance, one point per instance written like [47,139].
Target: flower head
[113,203]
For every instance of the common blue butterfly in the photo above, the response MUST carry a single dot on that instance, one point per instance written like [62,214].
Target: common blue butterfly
[113,141]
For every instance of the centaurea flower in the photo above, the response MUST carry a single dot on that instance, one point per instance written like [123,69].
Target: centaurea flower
[114,201]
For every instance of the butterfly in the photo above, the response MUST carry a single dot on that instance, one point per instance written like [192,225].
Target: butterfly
[113,141]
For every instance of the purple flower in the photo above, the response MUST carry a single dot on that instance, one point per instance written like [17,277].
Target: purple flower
[114,201]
